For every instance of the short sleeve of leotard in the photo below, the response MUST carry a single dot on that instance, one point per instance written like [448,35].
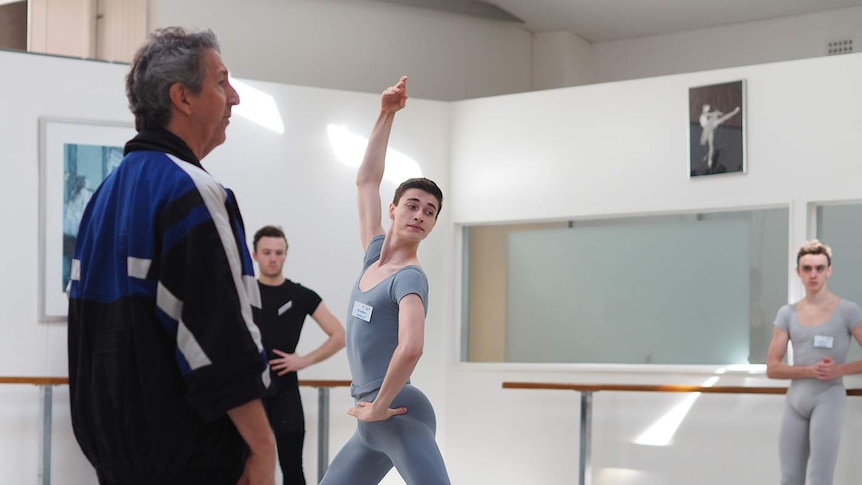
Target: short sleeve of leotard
[408,281]
[782,320]
[852,314]
[372,254]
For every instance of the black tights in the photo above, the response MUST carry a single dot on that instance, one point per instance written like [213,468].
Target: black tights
[288,424]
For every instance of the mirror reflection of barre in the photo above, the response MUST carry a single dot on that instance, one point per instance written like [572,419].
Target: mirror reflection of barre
[586,392]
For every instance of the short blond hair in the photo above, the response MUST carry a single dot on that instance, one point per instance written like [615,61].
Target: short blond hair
[814,247]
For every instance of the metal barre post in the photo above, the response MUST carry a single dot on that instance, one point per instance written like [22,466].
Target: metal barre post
[584,475]
[45,466]
[322,432]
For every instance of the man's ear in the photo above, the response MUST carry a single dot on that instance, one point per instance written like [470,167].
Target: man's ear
[180,95]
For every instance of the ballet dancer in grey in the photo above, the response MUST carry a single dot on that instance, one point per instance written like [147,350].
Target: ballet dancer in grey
[820,327]
[386,326]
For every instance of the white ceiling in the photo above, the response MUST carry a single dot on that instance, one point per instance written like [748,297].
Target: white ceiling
[603,20]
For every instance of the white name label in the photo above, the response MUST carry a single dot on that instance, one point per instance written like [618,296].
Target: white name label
[823,342]
[362,311]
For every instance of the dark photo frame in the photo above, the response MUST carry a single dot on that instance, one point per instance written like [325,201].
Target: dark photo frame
[717,129]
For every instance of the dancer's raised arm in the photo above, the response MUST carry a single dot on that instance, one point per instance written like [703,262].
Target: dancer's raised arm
[370,172]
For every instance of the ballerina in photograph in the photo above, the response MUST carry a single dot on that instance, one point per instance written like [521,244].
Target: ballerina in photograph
[709,121]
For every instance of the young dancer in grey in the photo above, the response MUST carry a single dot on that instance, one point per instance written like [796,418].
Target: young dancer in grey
[386,326]
[819,326]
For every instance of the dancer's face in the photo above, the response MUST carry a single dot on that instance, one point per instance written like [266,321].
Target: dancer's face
[814,270]
[415,215]
[270,253]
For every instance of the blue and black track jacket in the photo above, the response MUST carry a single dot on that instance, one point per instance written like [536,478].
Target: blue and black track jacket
[162,339]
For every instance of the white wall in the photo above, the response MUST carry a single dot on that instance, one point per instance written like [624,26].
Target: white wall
[621,149]
[360,45]
[292,179]
[781,39]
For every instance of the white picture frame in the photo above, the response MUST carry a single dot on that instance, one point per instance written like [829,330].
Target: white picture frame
[74,157]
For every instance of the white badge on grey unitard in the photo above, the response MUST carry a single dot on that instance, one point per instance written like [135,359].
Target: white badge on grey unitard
[362,311]
[823,341]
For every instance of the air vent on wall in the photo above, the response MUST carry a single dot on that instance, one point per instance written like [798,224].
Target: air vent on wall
[836,47]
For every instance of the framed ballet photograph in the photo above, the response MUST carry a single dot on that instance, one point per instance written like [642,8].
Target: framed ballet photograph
[716,115]
[75,156]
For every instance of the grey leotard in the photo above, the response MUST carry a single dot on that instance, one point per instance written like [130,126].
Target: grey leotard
[814,409]
[405,441]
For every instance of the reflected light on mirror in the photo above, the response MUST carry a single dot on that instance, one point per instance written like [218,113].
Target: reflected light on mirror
[257,106]
[747,368]
[349,148]
[622,476]
[661,432]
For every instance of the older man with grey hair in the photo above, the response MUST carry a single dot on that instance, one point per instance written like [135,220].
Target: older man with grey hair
[166,367]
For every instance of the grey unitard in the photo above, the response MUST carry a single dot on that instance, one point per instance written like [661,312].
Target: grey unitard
[814,409]
[406,441]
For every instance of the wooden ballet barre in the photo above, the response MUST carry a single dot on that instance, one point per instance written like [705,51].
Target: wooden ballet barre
[59,381]
[587,390]
[323,386]
[323,383]
[38,381]
[656,388]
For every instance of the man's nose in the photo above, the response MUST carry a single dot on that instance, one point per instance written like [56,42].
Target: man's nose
[232,95]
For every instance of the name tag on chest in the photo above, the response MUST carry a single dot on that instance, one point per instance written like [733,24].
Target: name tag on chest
[823,342]
[284,308]
[362,311]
